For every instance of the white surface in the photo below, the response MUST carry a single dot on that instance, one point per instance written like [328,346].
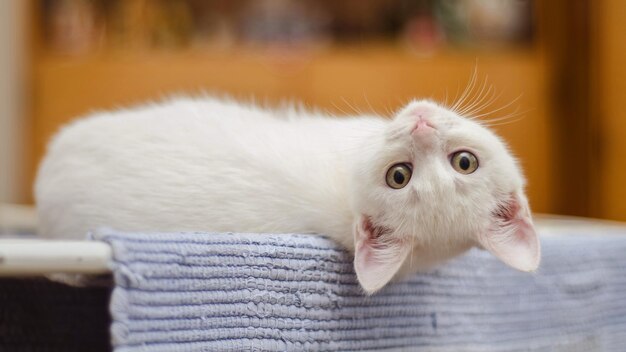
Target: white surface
[33,257]
[560,225]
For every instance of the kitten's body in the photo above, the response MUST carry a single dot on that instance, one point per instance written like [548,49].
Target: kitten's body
[202,165]
[214,165]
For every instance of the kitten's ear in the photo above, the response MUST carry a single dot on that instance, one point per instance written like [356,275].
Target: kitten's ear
[376,258]
[512,237]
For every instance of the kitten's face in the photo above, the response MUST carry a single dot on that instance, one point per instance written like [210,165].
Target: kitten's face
[432,185]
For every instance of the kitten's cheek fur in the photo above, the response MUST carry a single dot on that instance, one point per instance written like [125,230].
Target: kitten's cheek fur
[376,260]
[512,237]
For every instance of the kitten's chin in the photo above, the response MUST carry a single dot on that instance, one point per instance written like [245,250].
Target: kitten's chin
[424,259]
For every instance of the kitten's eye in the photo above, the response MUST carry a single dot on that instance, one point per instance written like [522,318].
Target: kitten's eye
[399,175]
[464,162]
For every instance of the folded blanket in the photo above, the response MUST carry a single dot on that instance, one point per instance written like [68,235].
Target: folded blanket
[224,292]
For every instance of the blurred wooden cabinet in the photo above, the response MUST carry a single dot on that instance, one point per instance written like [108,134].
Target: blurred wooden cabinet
[610,108]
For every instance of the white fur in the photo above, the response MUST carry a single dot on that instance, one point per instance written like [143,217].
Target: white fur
[217,165]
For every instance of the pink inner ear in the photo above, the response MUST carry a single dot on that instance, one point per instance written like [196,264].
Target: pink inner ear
[512,237]
[377,257]
[508,210]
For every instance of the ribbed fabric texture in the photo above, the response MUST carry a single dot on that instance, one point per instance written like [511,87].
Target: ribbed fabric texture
[225,292]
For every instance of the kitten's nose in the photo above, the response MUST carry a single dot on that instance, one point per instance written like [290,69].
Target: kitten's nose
[423,114]
[424,134]
[423,126]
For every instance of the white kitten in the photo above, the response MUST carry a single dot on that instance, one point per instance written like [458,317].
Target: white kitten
[403,194]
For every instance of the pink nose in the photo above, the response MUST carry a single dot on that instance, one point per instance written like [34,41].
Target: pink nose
[422,126]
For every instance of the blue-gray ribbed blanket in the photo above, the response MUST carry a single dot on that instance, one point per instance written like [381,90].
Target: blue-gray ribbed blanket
[225,292]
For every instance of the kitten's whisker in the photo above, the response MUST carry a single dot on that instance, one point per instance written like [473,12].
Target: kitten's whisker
[473,82]
[482,95]
[357,111]
[493,97]
[388,110]
[507,122]
[340,109]
[479,104]
[368,103]
[466,92]
[456,96]
[500,108]
[455,103]
[479,98]
[501,118]
[481,92]
[404,101]
[510,118]
[488,100]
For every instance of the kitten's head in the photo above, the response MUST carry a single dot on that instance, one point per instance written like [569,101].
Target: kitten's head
[429,187]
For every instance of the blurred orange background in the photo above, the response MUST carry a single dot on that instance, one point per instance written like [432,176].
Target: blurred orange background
[556,67]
